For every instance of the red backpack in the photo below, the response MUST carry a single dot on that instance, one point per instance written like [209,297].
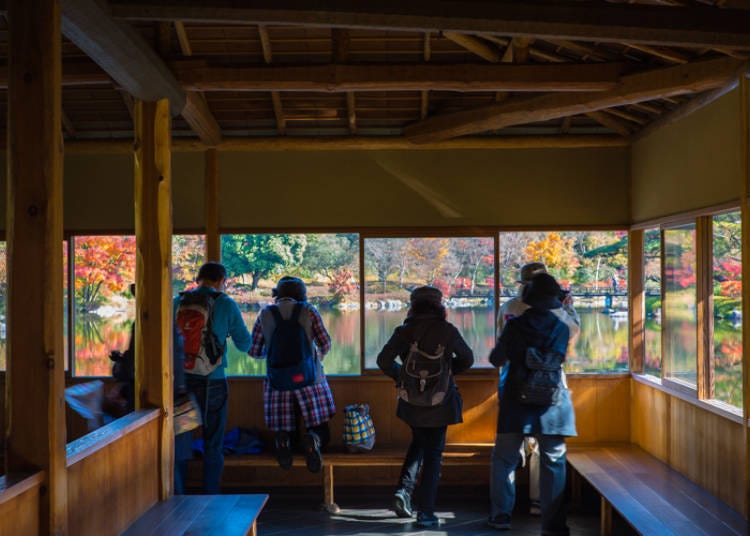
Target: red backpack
[194,318]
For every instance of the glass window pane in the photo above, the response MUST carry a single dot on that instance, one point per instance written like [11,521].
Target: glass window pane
[593,265]
[652,286]
[727,290]
[188,254]
[462,268]
[327,263]
[104,308]
[680,318]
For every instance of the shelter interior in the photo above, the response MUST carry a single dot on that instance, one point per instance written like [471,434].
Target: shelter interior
[497,123]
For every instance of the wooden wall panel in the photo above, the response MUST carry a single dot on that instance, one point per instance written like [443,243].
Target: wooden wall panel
[113,486]
[708,449]
[648,413]
[602,406]
[19,506]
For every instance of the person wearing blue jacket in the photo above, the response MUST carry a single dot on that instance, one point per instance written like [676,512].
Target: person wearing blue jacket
[538,327]
[212,390]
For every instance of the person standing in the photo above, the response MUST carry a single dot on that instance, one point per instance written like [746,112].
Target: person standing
[425,331]
[291,335]
[206,318]
[516,307]
[538,335]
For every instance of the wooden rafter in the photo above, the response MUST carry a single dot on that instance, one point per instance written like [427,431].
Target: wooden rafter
[663,53]
[611,122]
[198,75]
[474,45]
[627,116]
[681,79]
[278,112]
[127,58]
[565,126]
[265,43]
[427,48]
[586,51]
[182,38]
[351,112]
[521,49]
[67,124]
[693,27]
[424,104]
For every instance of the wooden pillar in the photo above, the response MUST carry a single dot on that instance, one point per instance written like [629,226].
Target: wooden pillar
[705,307]
[153,234]
[744,193]
[35,405]
[636,298]
[211,180]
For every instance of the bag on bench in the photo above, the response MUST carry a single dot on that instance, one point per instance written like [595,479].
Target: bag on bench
[359,430]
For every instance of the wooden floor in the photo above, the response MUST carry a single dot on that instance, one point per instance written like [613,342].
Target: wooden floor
[463,512]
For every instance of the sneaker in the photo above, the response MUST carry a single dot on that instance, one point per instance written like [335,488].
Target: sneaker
[427,520]
[535,508]
[402,503]
[312,452]
[500,522]
[284,450]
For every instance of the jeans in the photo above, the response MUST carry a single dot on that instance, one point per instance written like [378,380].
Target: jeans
[505,458]
[213,405]
[426,449]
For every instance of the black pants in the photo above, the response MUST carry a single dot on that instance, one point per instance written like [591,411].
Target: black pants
[426,449]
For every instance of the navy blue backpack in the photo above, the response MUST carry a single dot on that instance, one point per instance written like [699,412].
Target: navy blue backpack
[291,358]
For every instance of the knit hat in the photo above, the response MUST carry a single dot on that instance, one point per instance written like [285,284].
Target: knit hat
[530,270]
[542,292]
[426,293]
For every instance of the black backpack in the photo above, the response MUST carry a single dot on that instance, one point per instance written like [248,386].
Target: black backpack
[542,377]
[425,378]
[291,358]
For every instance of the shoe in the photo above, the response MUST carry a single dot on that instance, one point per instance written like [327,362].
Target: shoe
[500,522]
[402,503]
[312,452]
[284,450]
[535,508]
[427,520]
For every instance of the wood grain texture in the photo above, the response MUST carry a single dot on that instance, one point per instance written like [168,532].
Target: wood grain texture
[19,505]
[35,410]
[153,232]
[212,201]
[117,482]
[636,300]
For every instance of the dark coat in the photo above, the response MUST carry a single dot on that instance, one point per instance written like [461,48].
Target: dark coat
[437,331]
[541,329]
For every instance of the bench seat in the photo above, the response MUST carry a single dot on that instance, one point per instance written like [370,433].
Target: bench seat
[456,454]
[652,497]
[201,515]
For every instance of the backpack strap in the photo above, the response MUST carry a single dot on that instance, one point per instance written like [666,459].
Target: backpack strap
[274,309]
[296,312]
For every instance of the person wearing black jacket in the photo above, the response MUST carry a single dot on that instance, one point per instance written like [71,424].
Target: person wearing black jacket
[538,328]
[425,323]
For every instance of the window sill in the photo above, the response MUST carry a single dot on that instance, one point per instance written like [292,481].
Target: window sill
[717,407]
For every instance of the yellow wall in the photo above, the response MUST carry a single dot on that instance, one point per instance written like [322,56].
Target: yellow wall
[553,187]
[691,164]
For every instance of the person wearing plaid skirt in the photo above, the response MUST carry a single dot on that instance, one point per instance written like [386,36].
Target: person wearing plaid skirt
[313,403]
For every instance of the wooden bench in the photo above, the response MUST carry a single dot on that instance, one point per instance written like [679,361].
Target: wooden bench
[462,455]
[201,515]
[649,495]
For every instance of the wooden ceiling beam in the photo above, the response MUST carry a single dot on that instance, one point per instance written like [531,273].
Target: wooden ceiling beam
[265,43]
[693,26]
[663,53]
[351,112]
[278,112]
[677,80]
[182,38]
[125,56]
[610,122]
[474,45]
[202,76]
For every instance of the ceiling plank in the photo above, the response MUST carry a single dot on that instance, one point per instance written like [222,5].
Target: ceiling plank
[677,80]
[474,45]
[121,52]
[693,26]
[203,76]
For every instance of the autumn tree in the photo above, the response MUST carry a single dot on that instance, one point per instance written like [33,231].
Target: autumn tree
[471,254]
[427,257]
[556,252]
[261,255]
[328,254]
[383,256]
[104,266]
[188,254]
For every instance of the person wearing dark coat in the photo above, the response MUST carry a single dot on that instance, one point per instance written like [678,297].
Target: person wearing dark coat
[540,328]
[425,322]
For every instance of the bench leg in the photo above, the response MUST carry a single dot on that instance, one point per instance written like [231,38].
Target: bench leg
[575,491]
[606,528]
[328,504]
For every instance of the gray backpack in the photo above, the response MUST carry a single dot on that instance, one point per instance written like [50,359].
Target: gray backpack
[425,378]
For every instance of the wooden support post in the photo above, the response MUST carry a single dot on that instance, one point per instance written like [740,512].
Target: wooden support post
[606,518]
[153,234]
[35,382]
[328,503]
[211,180]
[705,306]
[636,300]
[745,208]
